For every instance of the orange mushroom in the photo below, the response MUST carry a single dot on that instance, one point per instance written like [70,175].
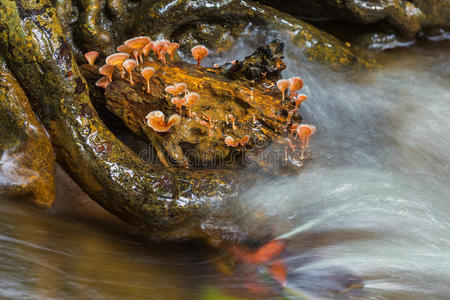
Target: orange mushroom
[299,99]
[117,60]
[91,56]
[180,88]
[199,53]
[232,119]
[304,132]
[282,85]
[208,125]
[191,99]
[155,120]
[160,49]
[102,82]
[171,90]
[295,84]
[147,73]
[107,70]
[179,103]
[232,142]
[137,43]
[125,49]
[129,65]
[146,50]
[171,49]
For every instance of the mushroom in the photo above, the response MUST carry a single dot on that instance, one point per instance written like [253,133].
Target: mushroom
[304,132]
[208,125]
[102,82]
[199,53]
[232,119]
[91,56]
[107,70]
[180,88]
[289,144]
[129,65]
[171,90]
[232,142]
[155,120]
[295,84]
[137,44]
[191,99]
[179,103]
[282,85]
[125,49]
[171,49]
[117,60]
[147,73]
[161,48]
[299,99]
[147,48]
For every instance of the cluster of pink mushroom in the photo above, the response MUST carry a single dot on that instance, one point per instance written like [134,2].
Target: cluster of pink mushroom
[131,55]
[302,131]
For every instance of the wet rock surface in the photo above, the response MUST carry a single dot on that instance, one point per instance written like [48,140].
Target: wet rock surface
[26,156]
[406,17]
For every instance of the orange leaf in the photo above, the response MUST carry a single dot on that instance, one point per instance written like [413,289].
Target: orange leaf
[277,269]
[269,251]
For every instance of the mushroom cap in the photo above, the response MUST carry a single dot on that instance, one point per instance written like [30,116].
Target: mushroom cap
[180,87]
[91,56]
[302,97]
[129,64]
[125,49]
[283,84]
[147,48]
[117,59]
[230,116]
[304,131]
[178,101]
[173,120]
[171,47]
[148,72]
[192,98]
[102,82]
[160,45]
[155,120]
[107,70]
[231,142]
[137,43]
[199,52]
[295,84]
[245,140]
[171,90]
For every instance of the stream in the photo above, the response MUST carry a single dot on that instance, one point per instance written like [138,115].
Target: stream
[372,203]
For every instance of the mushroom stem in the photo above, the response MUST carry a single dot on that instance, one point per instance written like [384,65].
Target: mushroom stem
[148,86]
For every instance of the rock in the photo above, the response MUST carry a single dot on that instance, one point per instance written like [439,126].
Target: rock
[167,203]
[216,24]
[26,157]
[407,16]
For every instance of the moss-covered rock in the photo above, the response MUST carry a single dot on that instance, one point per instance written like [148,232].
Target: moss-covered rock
[26,157]
[168,203]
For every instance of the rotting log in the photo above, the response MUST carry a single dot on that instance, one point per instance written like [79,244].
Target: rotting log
[256,107]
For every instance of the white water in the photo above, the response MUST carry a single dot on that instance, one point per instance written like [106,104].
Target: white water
[374,199]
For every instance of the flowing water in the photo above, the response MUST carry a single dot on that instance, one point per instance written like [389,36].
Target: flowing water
[371,204]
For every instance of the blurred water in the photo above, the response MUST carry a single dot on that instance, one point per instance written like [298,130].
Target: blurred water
[372,203]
